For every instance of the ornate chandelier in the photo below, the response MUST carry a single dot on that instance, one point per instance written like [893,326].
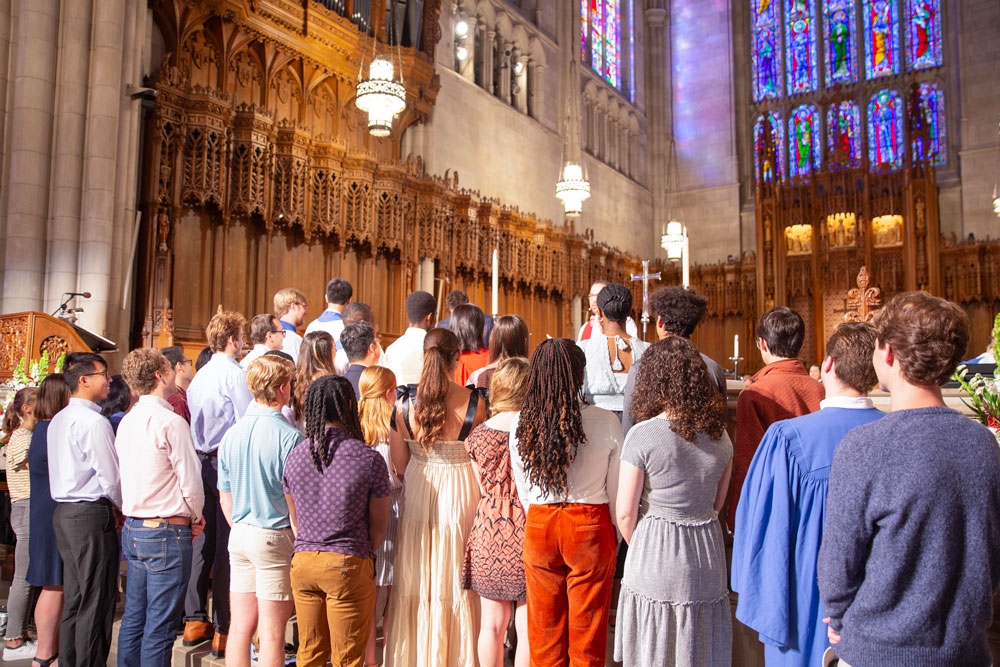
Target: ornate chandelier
[573,189]
[381,96]
[675,241]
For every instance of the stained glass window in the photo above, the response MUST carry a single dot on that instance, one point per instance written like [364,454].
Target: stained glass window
[929,116]
[881,38]
[843,124]
[923,34]
[612,44]
[885,129]
[800,44]
[631,49]
[602,38]
[804,148]
[769,147]
[766,48]
[841,45]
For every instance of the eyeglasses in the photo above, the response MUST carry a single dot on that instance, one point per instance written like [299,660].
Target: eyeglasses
[104,373]
[279,331]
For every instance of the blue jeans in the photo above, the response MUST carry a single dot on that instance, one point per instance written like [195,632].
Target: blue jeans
[159,566]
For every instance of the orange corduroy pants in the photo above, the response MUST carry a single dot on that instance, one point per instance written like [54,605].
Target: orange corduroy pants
[569,564]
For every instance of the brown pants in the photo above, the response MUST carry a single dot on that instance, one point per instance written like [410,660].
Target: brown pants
[335,605]
[569,565]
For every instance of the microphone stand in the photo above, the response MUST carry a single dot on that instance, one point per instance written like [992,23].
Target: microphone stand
[61,310]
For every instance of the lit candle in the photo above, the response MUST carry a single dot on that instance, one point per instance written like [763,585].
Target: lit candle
[736,346]
[496,282]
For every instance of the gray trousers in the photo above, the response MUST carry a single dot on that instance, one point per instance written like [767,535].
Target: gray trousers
[19,600]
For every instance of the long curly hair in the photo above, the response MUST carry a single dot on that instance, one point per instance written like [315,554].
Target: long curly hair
[315,360]
[330,400]
[441,349]
[550,427]
[673,379]
[375,411]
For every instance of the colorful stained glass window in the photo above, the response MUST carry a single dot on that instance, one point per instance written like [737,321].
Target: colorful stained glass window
[612,44]
[766,49]
[881,38]
[804,150]
[843,137]
[631,49]
[800,46]
[841,44]
[602,36]
[923,34]
[928,121]
[885,129]
[769,147]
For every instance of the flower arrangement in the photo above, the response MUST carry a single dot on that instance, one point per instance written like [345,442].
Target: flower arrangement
[29,373]
[984,394]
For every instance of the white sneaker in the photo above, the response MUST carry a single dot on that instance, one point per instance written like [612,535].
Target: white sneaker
[25,651]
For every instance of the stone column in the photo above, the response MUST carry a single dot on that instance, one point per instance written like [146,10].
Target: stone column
[101,159]
[658,110]
[67,154]
[27,179]
[425,275]
[536,90]
[488,46]
[505,71]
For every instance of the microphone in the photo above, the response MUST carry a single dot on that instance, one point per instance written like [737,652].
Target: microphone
[85,295]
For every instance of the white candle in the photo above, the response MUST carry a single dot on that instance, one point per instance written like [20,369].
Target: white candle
[736,346]
[496,282]
[686,273]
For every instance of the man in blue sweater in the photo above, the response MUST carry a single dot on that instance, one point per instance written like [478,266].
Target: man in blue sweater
[911,549]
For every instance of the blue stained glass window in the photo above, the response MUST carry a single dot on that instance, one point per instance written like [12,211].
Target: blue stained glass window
[765,49]
[631,49]
[841,43]
[804,149]
[612,44]
[885,130]
[929,115]
[800,46]
[601,37]
[923,34]
[881,38]
[769,147]
[843,138]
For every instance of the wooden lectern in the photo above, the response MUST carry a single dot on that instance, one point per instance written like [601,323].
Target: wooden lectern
[27,335]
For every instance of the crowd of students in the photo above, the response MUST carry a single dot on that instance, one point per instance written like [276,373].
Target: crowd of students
[433,491]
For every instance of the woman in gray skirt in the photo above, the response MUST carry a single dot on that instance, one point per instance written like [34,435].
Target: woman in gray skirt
[675,468]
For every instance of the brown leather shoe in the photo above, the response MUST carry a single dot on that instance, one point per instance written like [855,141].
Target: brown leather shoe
[196,632]
[219,645]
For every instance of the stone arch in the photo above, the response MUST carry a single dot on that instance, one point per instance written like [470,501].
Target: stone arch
[246,74]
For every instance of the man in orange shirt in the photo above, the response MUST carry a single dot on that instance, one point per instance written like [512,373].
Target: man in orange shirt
[780,390]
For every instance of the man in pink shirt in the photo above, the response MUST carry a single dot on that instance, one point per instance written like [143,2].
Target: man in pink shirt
[162,499]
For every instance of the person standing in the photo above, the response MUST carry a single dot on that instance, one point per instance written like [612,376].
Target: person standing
[217,397]
[183,374]
[85,482]
[252,459]
[780,390]
[355,312]
[331,320]
[910,558]
[266,334]
[162,499]
[290,306]
[362,351]
[779,520]
[405,357]
[592,325]
[18,424]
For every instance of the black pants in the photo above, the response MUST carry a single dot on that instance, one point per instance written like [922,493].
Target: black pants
[216,549]
[90,551]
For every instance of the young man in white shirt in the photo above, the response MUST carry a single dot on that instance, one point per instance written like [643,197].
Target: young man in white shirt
[266,334]
[85,482]
[290,306]
[405,357]
[331,320]
[162,499]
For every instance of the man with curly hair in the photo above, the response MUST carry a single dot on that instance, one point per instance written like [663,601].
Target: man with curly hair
[677,310]
[780,390]
[779,520]
[910,558]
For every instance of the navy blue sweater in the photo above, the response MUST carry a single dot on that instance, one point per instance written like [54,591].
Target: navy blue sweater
[911,550]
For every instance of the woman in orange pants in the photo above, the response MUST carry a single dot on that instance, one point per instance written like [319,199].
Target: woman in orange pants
[565,457]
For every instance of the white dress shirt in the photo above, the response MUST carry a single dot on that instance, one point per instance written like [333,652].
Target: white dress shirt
[334,327]
[592,478]
[405,357]
[259,350]
[83,464]
[217,397]
[162,473]
[293,341]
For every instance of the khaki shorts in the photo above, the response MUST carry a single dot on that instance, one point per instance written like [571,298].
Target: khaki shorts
[260,561]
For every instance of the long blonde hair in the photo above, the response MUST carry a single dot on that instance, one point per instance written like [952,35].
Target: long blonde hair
[374,410]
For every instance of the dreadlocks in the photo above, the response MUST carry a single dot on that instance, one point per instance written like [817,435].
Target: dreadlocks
[551,428]
[330,400]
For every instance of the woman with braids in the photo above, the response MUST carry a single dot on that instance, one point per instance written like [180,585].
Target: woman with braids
[338,499]
[564,455]
[674,606]
[432,621]
[611,351]
[378,391]
[315,360]
[493,554]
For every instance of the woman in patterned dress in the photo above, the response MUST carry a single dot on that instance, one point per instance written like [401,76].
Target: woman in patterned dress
[494,565]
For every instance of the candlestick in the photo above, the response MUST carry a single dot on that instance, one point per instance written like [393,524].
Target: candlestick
[736,366]
[496,282]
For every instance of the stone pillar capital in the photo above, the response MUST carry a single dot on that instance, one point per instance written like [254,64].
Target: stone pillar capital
[656,17]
